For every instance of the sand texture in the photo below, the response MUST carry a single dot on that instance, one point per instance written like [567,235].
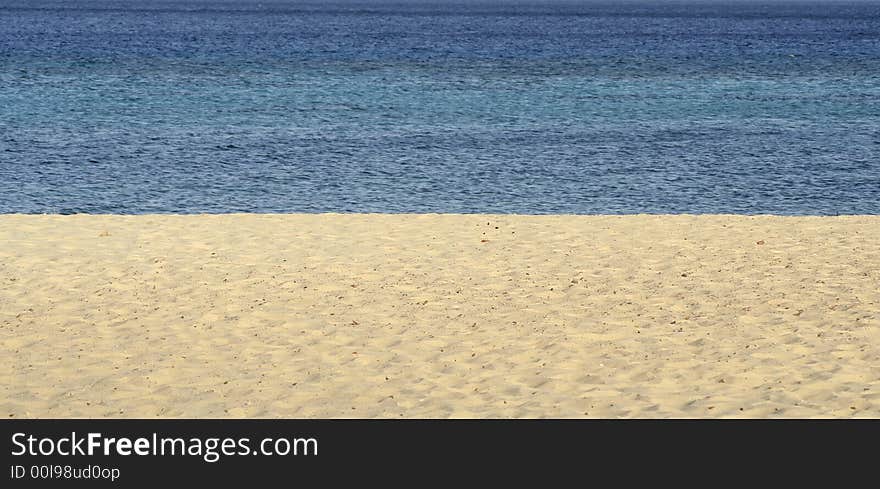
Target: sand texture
[439,316]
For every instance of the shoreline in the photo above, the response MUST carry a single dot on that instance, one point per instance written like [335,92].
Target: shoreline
[439,315]
[417,214]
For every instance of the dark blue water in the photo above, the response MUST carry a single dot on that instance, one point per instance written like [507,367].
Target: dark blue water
[114,106]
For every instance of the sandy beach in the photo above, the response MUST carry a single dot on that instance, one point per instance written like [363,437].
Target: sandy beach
[439,316]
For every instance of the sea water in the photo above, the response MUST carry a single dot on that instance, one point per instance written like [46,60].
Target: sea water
[532,107]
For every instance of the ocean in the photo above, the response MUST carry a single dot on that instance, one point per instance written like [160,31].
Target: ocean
[526,107]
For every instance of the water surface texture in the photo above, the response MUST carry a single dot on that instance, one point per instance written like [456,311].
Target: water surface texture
[187,106]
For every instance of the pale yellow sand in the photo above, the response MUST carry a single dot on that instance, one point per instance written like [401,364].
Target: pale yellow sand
[439,316]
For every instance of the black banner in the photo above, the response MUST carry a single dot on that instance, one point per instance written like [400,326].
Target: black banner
[136,453]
